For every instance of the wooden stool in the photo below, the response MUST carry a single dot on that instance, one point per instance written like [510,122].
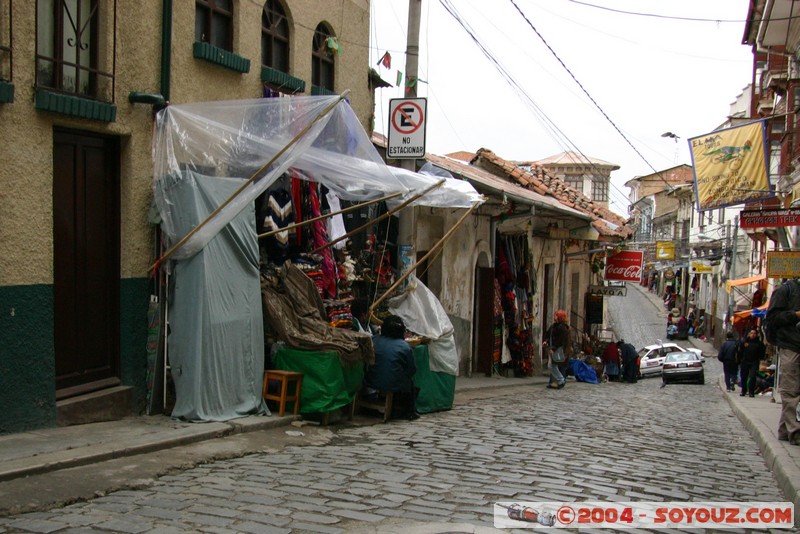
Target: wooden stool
[384,403]
[284,377]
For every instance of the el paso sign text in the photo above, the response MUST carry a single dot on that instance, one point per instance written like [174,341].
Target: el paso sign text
[625,266]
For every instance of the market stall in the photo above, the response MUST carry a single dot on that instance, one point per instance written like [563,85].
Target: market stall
[227,173]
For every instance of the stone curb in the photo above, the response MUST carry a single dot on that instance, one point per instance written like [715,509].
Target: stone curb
[779,462]
[80,456]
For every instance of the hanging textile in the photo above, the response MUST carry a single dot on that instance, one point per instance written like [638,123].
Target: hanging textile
[498,303]
[297,199]
[320,237]
[335,223]
[505,357]
[504,273]
[279,213]
[497,347]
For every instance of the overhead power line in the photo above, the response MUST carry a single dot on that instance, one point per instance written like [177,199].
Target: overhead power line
[602,111]
[689,19]
[552,129]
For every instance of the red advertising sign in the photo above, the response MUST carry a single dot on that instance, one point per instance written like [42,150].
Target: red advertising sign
[625,266]
[769,218]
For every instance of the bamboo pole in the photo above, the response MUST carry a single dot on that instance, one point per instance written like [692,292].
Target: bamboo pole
[382,217]
[345,210]
[433,249]
[252,179]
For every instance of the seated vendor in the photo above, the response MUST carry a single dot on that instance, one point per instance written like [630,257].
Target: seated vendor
[361,317]
[394,367]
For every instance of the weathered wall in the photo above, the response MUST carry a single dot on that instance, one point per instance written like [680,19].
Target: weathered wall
[459,259]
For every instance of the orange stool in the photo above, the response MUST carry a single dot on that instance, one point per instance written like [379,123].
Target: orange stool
[284,377]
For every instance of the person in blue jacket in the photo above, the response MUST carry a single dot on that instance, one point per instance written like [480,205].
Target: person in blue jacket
[394,367]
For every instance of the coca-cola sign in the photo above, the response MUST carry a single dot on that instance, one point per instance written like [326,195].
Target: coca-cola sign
[625,266]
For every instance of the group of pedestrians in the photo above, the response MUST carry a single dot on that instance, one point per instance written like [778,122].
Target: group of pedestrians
[741,359]
[619,358]
[782,330]
[620,362]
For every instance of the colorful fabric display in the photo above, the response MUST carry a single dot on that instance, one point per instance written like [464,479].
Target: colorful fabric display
[339,313]
[320,236]
[279,213]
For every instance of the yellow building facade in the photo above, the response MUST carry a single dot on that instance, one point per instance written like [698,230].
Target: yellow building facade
[81,82]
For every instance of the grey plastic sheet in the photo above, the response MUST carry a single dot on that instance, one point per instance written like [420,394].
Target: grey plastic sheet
[216,331]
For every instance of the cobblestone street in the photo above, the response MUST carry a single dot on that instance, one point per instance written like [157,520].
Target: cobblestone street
[603,442]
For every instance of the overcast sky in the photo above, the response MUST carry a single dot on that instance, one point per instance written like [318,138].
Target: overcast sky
[649,74]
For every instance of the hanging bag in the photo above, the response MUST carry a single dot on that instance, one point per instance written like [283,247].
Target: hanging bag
[557,355]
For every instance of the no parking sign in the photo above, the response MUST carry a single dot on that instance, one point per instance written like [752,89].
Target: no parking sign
[406,138]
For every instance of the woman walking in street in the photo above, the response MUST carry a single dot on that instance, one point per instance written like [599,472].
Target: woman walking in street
[559,347]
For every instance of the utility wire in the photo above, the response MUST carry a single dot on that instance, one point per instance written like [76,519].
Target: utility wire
[583,88]
[690,19]
[556,133]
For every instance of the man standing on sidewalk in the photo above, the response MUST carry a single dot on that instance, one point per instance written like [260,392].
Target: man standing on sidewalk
[751,352]
[782,331]
[727,355]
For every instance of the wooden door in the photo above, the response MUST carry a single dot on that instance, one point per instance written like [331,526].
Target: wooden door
[548,292]
[483,340]
[86,261]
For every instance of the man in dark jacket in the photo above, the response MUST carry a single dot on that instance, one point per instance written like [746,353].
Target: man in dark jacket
[751,351]
[394,367]
[727,355]
[629,357]
[782,317]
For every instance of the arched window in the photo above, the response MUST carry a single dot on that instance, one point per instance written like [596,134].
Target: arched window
[322,58]
[213,23]
[274,36]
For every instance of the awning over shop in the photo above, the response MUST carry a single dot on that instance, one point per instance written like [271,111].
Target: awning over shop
[730,284]
[760,312]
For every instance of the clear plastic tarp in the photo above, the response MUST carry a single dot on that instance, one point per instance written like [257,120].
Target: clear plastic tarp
[263,138]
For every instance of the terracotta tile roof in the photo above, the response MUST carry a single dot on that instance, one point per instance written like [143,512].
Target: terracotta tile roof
[540,181]
[485,180]
[575,158]
[462,155]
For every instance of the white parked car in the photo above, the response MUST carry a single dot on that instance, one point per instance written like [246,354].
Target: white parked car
[651,358]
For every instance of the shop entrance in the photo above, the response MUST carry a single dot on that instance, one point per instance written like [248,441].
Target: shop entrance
[85,261]
[483,339]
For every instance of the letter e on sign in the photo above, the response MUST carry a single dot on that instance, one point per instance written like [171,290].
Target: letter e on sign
[406,138]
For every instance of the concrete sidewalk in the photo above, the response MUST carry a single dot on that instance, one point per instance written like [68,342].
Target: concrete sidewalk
[760,416]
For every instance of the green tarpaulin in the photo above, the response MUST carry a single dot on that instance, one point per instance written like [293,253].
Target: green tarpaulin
[327,385]
[436,390]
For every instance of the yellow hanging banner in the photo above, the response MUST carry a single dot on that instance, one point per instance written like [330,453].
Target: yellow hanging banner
[665,250]
[730,166]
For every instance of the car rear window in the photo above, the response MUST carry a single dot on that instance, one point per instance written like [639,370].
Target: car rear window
[681,356]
